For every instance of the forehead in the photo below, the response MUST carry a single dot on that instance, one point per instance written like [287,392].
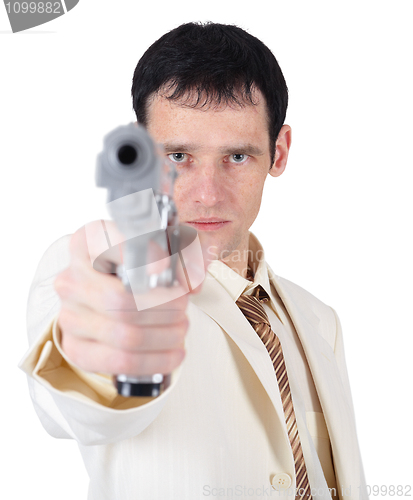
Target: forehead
[174,119]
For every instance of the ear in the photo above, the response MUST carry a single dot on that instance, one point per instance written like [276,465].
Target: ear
[282,147]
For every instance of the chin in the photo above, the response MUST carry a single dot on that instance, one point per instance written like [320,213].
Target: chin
[218,251]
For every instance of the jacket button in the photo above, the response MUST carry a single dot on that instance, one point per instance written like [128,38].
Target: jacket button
[281,481]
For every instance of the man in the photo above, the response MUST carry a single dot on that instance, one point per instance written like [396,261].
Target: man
[246,415]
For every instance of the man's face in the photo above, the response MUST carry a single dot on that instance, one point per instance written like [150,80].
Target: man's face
[222,157]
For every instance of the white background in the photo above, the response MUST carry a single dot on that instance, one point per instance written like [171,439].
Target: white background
[337,222]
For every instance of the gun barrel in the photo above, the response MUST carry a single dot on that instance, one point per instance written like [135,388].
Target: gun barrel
[131,170]
[129,162]
[127,154]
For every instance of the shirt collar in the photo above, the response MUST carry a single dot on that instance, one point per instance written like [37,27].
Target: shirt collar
[235,284]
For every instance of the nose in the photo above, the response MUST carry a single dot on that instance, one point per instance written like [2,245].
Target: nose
[209,186]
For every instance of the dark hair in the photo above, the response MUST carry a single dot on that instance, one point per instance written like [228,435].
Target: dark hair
[220,63]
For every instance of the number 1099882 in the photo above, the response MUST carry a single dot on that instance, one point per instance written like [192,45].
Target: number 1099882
[34,8]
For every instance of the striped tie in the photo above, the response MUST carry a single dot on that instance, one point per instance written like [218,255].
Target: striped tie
[251,306]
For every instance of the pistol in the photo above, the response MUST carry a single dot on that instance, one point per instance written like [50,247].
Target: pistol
[140,200]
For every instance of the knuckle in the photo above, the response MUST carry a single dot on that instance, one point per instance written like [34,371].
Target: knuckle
[180,303]
[62,283]
[181,330]
[65,320]
[77,240]
[117,302]
[179,316]
[185,323]
[172,360]
[124,363]
[74,239]
[184,299]
[128,337]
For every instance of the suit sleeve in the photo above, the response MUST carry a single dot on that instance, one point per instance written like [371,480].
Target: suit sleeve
[70,402]
[341,362]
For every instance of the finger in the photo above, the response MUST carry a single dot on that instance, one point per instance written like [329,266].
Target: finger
[96,357]
[95,238]
[82,284]
[79,284]
[107,296]
[87,325]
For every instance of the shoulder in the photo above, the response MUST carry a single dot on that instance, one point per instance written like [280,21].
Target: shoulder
[304,304]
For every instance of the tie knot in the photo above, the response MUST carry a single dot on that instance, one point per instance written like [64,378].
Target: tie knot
[260,294]
[252,308]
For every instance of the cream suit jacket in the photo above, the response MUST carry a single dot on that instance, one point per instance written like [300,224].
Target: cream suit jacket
[219,429]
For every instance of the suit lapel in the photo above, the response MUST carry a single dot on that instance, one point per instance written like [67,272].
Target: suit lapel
[215,301]
[337,409]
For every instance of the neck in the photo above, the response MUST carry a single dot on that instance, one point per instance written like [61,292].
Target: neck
[238,260]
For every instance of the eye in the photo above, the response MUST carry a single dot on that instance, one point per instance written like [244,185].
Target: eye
[178,157]
[237,158]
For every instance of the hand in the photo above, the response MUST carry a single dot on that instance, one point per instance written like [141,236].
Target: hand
[102,330]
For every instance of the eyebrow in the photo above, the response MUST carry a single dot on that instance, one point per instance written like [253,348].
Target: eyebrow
[176,147]
[248,149]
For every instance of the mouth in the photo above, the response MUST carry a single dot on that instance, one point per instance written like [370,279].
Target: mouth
[211,224]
